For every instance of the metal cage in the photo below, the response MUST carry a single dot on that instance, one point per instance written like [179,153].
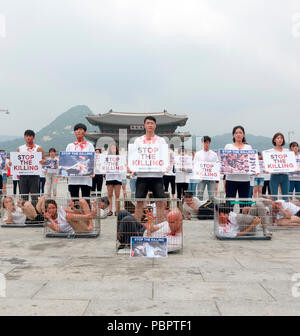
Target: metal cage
[149,218]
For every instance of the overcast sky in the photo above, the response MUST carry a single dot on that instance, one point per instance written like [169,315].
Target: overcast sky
[222,63]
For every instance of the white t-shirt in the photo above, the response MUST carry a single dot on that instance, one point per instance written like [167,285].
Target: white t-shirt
[80,147]
[209,156]
[17,216]
[231,229]
[174,243]
[114,177]
[155,141]
[62,223]
[237,177]
[291,207]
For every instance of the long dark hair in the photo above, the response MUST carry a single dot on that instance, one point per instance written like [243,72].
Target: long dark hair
[234,130]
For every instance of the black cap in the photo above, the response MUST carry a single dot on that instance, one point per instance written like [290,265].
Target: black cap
[80,125]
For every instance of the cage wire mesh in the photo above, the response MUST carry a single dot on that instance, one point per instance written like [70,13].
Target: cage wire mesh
[151,218]
[73,217]
[242,218]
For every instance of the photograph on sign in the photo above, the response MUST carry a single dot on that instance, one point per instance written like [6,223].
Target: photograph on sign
[114,164]
[2,160]
[148,247]
[183,162]
[51,165]
[76,163]
[209,171]
[280,162]
[148,157]
[297,172]
[239,162]
[26,163]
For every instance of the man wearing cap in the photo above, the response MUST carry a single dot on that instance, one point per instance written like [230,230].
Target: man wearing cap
[81,145]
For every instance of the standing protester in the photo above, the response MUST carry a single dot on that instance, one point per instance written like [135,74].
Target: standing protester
[3,175]
[238,182]
[259,180]
[182,178]
[113,182]
[149,181]
[279,179]
[30,184]
[169,176]
[51,173]
[98,178]
[295,180]
[193,182]
[42,181]
[77,183]
[206,155]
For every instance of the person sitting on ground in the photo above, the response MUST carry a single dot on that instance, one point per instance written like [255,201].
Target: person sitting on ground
[286,213]
[19,212]
[233,225]
[70,220]
[191,205]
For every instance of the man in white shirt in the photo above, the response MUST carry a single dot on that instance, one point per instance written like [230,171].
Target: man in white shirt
[286,213]
[206,155]
[149,181]
[81,145]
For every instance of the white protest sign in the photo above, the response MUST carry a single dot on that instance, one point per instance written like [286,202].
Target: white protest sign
[183,162]
[148,157]
[26,163]
[209,171]
[279,162]
[111,164]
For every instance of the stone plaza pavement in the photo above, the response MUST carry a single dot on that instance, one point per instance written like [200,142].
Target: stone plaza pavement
[86,277]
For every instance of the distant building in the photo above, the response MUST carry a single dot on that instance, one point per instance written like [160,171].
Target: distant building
[113,125]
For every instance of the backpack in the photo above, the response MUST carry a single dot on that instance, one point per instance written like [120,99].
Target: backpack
[206,210]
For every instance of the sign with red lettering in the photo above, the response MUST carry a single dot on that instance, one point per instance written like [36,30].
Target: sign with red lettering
[209,171]
[183,162]
[279,162]
[114,164]
[26,163]
[145,158]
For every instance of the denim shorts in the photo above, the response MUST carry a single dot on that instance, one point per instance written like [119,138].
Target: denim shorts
[259,181]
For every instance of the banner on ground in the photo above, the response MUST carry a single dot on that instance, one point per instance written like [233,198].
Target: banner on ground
[148,247]
[114,164]
[209,171]
[2,160]
[76,163]
[280,162]
[26,163]
[239,162]
[183,162]
[148,158]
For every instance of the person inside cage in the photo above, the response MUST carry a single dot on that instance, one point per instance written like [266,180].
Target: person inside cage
[19,212]
[233,224]
[70,220]
[286,213]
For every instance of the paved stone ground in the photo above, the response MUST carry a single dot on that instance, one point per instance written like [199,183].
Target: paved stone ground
[86,277]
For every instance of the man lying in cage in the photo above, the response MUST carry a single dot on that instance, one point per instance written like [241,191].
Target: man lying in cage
[233,224]
[70,220]
[18,212]
[128,226]
[286,213]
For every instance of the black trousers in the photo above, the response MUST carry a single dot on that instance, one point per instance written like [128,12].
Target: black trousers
[169,180]
[74,190]
[181,188]
[266,188]
[1,184]
[232,187]
[30,184]
[16,184]
[97,182]
[42,184]
[128,226]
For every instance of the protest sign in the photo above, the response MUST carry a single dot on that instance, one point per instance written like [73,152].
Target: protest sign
[148,247]
[296,174]
[239,162]
[76,163]
[183,162]
[114,164]
[50,165]
[148,157]
[279,162]
[2,160]
[26,163]
[209,171]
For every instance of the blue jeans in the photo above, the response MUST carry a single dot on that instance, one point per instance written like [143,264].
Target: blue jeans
[193,186]
[283,181]
[132,187]
[295,185]
[210,188]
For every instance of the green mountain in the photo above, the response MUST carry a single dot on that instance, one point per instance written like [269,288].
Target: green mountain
[57,134]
